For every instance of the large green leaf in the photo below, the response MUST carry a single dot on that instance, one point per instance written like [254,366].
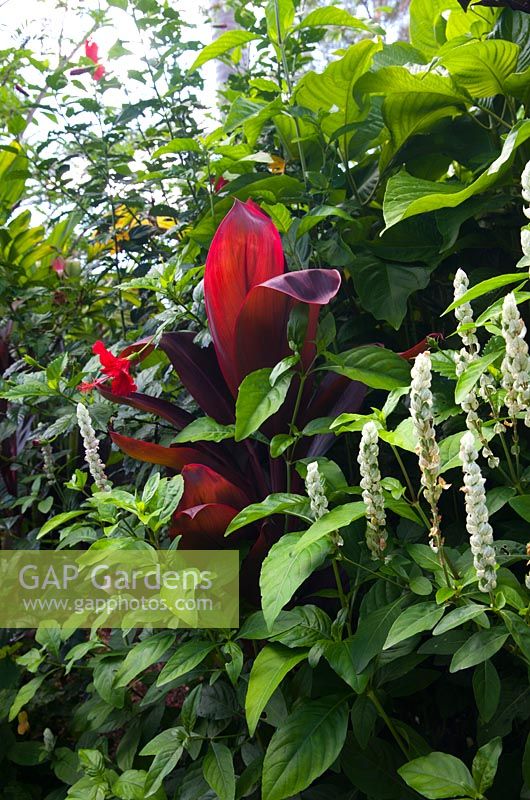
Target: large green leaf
[285,568]
[413,102]
[332,90]
[268,670]
[427,28]
[187,657]
[218,771]
[438,775]
[416,619]
[406,195]
[331,15]
[257,400]
[223,44]
[278,503]
[485,764]
[478,648]
[385,286]
[143,655]
[304,746]
[487,689]
[204,429]
[372,631]
[373,366]
[482,67]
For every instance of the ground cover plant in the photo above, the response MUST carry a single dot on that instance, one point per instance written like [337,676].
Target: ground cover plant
[291,324]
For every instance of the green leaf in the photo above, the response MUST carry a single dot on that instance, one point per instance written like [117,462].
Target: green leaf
[413,103]
[404,437]
[222,45]
[485,764]
[384,287]
[167,749]
[363,718]
[331,15]
[484,287]
[407,196]
[187,657]
[24,695]
[143,655]
[332,91]
[337,518]
[268,670]
[278,24]
[285,568]
[218,771]
[479,647]
[521,505]
[373,366]
[470,376]
[279,503]
[457,617]
[257,400]
[58,520]
[304,747]
[438,775]
[416,619]
[487,689]
[318,214]
[130,785]
[342,658]
[371,634]
[482,67]
[180,145]
[205,429]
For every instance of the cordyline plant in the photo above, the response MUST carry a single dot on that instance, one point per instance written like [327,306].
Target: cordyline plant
[260,316]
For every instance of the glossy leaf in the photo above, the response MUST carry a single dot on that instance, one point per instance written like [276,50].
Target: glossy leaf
[304,746]
[271,666]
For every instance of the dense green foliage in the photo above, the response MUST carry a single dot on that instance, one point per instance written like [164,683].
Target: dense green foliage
[394,676]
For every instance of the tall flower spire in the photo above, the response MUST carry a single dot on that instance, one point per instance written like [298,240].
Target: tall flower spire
[421,402]
[477,518]
[368,459]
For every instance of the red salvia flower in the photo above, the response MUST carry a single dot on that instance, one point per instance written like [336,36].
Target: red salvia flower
[114,367]
[98,72]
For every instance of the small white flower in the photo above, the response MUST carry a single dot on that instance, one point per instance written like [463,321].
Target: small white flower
[515,366]
[421,402]
[315,488]
[477,517]
[91,445]
[469,353]
[525,183]
[525,241]
[368,459]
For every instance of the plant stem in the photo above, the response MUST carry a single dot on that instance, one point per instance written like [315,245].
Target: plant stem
[388,722]
[343,599]
[287,76]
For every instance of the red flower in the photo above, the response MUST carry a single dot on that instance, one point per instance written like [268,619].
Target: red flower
[91,50]
[58,265]
[218,183]
[114,367]
[98,72]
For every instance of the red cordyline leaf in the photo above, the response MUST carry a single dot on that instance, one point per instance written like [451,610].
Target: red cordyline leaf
[249,297]
[92,50]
